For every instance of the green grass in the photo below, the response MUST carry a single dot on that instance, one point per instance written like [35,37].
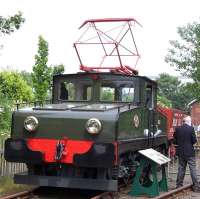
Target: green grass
[7,186]
[4,135]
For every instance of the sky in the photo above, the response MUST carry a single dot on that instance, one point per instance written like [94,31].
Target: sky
[58,21]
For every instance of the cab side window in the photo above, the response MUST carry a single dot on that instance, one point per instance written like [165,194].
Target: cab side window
[149,103]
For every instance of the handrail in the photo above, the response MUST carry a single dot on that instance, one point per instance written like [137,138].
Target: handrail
[35,103]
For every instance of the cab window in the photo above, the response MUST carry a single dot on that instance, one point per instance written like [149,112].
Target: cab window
[127,94]
[67,91]
[75,91]
[117,91]
[107,94]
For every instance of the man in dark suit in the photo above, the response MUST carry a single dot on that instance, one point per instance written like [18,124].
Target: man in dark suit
[185,138]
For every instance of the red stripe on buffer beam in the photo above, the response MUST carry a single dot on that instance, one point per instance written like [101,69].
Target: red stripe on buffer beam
[48,148]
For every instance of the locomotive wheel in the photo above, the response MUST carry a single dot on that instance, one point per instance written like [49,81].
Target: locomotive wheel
[127,168]
[126,180]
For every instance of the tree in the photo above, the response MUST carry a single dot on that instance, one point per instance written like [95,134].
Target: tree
[184,55]
[27,77]
[10,24]
[55,70]
[58,69]
[6,107]
[171,89]
[163,101]
[42,74]
[13,87]
[168,87]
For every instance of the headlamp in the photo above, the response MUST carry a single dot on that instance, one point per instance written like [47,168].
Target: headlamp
[93,126]
[31,123]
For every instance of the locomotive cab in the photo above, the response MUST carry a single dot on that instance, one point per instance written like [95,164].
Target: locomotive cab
[104,87]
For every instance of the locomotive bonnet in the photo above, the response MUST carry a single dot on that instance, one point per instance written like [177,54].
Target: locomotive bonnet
[88,137]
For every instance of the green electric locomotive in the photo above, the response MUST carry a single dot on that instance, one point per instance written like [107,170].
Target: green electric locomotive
[88,137]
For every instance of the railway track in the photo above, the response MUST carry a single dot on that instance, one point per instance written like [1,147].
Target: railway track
[21,195]
[177,193]
[34,194]
[182,192]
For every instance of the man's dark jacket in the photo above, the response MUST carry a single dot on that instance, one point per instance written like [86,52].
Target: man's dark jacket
[185,138]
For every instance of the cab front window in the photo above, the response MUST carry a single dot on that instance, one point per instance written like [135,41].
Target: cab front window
[117,91]
[75,91]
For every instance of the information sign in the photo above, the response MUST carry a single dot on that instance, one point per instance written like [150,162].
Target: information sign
[155,156]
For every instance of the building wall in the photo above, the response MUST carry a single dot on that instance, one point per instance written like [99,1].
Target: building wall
[195,113]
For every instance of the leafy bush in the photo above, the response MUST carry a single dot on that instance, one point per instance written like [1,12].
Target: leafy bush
[6,107]
[15,87]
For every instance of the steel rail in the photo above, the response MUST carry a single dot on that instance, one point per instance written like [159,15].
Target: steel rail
[26,195]
[108,195]
[23,195]
[175,192]
[103,195]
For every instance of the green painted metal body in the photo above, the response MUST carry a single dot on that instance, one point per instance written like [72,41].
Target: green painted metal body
[60,124]
[60,119]
[127,129]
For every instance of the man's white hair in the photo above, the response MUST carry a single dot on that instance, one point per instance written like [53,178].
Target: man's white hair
[187,120]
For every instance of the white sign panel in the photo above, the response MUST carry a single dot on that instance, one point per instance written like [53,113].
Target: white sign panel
[155,156]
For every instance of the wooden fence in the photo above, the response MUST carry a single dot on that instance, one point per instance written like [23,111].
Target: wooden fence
[7,168]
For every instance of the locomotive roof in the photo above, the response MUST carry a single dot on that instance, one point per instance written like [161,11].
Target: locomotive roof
[119,75]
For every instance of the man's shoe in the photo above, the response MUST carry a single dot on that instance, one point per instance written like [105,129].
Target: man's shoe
[196,189]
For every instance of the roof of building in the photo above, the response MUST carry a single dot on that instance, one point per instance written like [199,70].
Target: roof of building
[193,102]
